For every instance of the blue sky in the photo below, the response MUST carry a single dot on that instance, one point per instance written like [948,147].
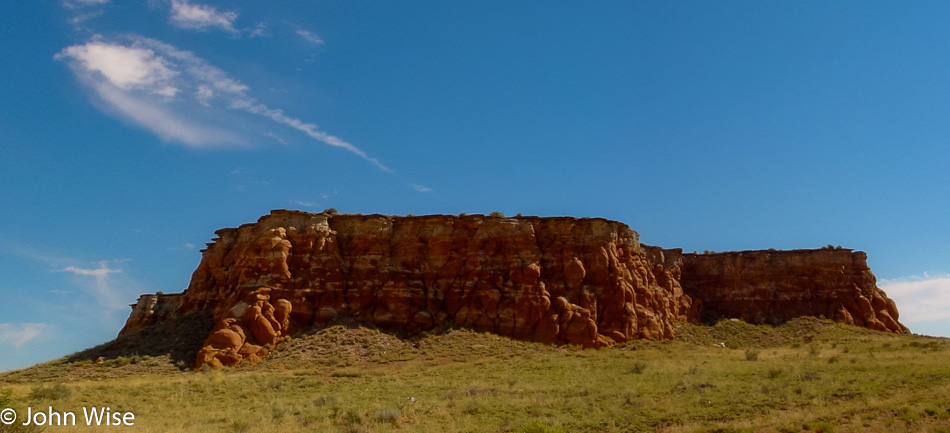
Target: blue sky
[132,130]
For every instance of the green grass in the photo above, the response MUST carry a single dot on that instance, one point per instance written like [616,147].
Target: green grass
[351,379]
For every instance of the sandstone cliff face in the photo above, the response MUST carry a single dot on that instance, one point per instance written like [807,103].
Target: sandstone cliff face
[557,280]
[773,286]
[581,281]
[152,308]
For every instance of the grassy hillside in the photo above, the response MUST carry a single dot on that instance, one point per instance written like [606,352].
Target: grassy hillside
[805,375]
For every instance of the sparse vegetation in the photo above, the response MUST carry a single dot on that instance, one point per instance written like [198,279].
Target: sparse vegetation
[751,354]
[352,379]
[50,392]
[497,214]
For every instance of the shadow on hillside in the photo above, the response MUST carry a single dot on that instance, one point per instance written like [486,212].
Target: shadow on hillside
[180,338]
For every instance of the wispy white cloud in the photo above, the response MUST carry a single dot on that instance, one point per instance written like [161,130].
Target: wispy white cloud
[162,120]
[17,334]
[108,292]
[309,37]
[261,30]
[200,17]
[271,134]
[421,188]
[302,203]
[101,271]
[74,4]
[312,130]
[142,82]
[125,67]
[920,299]
[81,18]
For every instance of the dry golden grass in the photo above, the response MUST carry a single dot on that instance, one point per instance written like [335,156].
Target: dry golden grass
[806,375]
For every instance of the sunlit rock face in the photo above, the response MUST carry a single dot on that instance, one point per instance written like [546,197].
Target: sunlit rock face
[774,286]
[582,281]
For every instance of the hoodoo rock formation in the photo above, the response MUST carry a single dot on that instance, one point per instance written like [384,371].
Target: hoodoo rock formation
[583,281]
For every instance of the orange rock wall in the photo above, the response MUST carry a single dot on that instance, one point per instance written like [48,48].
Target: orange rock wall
[773,286]
[557,280]
[584,281]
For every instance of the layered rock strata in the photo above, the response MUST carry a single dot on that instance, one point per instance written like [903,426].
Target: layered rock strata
[774,286]
[152,308]
[556,280]
[583,281]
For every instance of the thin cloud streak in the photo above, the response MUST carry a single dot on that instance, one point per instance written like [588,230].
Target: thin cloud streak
[109,287]
[162,121]
[102,271]
[103,287]
[75,4]
[421,188]
[920,299]
[141,80]
[309,37]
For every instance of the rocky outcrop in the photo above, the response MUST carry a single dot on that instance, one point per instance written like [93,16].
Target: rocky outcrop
[250,330]
[774,286]
[583,281]
[151,309]
[558,280]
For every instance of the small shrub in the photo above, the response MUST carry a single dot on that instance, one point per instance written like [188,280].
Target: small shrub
[751,354]
[278,413]
[389,414]
[240,426]
[351,418]
[330,211]
[638,367]
[324,400]
[497,214]
[907,415]
[774,373]
[833,359]
[820,427]
[471,409]
[47,392]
